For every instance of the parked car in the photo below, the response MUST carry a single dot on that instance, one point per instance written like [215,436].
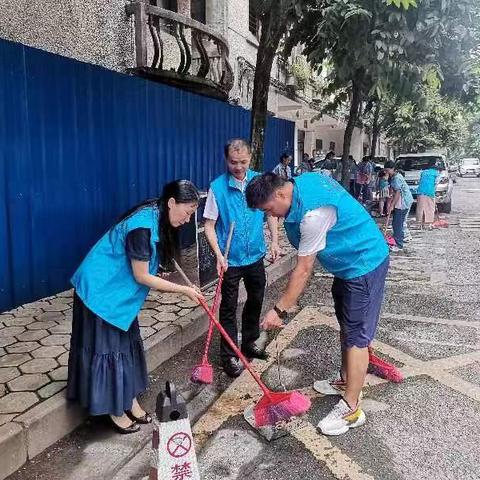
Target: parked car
[327,167]
[469,166]
[413,164]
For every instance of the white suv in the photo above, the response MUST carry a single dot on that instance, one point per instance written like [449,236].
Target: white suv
[413,164]
[469,166]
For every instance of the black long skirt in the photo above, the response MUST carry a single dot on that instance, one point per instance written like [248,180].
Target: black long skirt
[106,367]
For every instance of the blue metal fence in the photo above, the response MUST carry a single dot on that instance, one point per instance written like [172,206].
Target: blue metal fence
[80,144]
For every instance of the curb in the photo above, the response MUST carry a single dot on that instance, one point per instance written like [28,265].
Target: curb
[38,428]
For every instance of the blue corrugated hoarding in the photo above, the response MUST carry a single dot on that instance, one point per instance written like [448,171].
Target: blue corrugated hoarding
[80,144]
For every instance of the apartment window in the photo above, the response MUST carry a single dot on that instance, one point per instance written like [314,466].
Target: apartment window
[198,10]
[305,124]
[167,4]
[253,20]
[319,144]
[332,146]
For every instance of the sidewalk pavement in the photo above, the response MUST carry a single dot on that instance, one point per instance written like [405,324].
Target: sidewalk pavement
[34,344]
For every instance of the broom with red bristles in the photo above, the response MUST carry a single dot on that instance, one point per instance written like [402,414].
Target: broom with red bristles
[389,239]
[383,369]
[273,407]
[203,373]
[439,222]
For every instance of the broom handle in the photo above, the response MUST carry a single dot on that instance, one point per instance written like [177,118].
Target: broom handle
[387,221]
[234,347]
[225,335]
[217,294]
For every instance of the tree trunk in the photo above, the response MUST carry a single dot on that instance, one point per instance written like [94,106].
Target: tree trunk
[347,139]
[274,25]
[375,130]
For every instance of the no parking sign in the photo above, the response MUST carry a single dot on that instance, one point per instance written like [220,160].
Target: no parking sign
[173,451]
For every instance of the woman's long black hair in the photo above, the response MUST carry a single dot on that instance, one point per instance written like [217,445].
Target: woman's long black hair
[182,191]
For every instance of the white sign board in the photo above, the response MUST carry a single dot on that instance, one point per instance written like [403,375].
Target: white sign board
[173,454]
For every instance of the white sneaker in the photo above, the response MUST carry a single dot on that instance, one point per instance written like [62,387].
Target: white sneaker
[341,419]
[408,238]
[395,249]
[337,386]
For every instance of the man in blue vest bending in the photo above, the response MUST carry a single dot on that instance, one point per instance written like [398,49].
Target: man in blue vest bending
[325,222]
[226,203]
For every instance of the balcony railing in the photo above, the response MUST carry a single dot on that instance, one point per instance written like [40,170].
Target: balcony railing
[178,50]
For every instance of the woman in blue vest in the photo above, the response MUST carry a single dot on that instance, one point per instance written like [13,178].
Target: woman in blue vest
[324,222]
[106,369]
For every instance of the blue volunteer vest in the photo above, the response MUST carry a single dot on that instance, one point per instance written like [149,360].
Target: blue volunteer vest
[248,241]
[104,280]
[354,246]
[426,185]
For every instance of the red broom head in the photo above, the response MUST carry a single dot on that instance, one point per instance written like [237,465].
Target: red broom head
[280,406]
[440,224]
[202,374]
[390,241]
[385,370]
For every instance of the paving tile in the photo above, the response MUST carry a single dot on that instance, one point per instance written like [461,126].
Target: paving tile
[63,359]
[50,317]
[7,418]
[146,332]
[22,347]
[55,340]
[8,373]
[48,352]
[16,321]
[60,373]
[36,305]
[2,352]
[165,317]
[27,312]
[17,402]
[59,307]
[66,293]
[41,325]
[32,335]
[39,365]
[11,331]
[187,303]
[29,382]
[169,298]
[3,390]
[14,359]
[167,308]
[51,389]
[64,327]
[5,341]
[146,320]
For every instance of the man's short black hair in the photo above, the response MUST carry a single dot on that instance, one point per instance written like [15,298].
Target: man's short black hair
[236,144]
[261,188]
[284,156]
[389,164]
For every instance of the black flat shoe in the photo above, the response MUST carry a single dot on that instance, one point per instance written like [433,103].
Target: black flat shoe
[133,428]
[147,418]
[252,351]
[232,367]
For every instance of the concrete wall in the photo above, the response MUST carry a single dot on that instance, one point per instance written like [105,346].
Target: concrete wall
[93,31]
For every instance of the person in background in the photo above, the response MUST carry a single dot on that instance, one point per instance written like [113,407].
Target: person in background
[353,176]
[364,177]
[323,222]
[407,236]
[399,204]
[226,204]
[383,189]
[306,165]
[283,168]
[106,366]
[426,195]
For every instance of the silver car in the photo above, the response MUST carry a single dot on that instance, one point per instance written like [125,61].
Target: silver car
[469,166]
[413,164]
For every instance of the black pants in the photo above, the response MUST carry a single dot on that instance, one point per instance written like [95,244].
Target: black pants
[254,279]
